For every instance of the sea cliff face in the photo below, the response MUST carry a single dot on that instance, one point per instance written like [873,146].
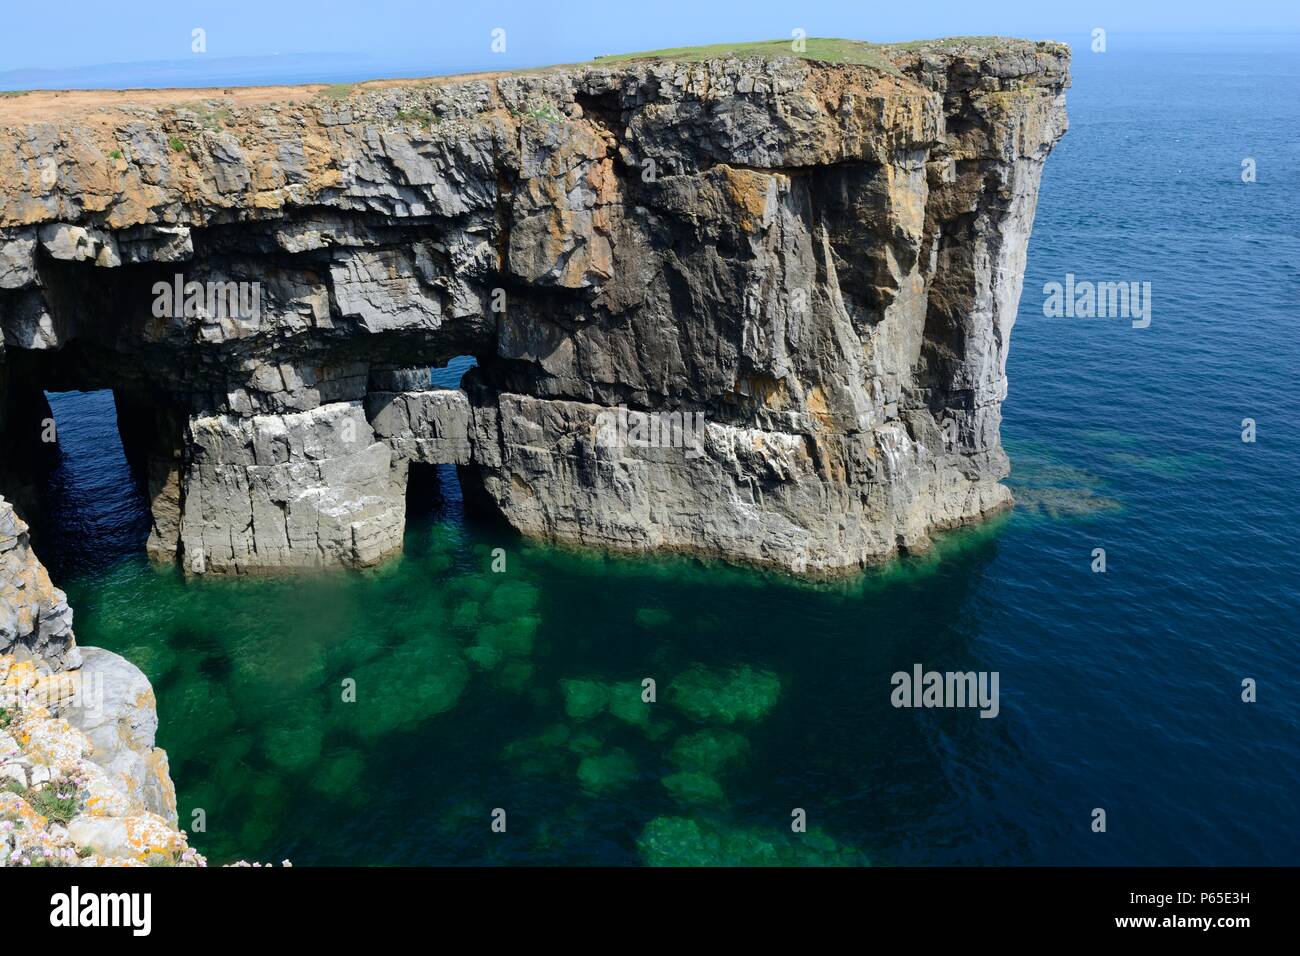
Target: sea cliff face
[816,264]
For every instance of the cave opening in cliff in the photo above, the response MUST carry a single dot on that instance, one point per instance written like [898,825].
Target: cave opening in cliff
[429,489]
[87,505]
[450,375]
[434,491]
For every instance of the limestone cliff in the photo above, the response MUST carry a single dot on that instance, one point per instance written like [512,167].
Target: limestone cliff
[81,782]
[818,262]
[34,614]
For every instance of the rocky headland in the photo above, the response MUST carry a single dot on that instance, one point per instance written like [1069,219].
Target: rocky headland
[753,307]
[818,261]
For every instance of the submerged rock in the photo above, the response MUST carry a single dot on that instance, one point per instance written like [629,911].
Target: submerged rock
[293,742]
[515,676]
[413,683]
[611,771]
[511,601]
[712,750]
[626,704]
[339,773]
[512,638]
[653,618]
[584,698]
[693,788]
[678,841]
[733,694]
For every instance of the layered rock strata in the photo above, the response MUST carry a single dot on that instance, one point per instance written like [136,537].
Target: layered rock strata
[819,263]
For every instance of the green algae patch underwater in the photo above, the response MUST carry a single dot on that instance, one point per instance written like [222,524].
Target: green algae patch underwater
[584,698]
[733,694]
[609,771]
[413,683]
[681,841]
[713,750]
[626,703]
[339,773]
[652,618]
[1044,486]
[693,788]
[311,699]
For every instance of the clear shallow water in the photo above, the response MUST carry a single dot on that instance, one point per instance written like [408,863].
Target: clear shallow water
[1118,690]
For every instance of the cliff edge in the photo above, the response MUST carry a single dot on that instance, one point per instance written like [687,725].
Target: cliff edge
[743,305]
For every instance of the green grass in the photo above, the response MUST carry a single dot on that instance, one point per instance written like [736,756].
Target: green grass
[212,117]
[48,803]
[822,49]
[421,118]
[177,145]
[546,112]
[337,92]
[979,41]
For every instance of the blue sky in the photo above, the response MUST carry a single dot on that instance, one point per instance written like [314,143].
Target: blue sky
[455,36]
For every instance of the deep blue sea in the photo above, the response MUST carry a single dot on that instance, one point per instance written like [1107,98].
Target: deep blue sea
[1119,690]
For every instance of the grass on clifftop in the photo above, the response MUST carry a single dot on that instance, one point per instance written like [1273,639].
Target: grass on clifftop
[827,50]
[822,49]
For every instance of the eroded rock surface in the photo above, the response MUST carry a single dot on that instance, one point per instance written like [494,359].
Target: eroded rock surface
[81,782]
[35,620]
[824,261]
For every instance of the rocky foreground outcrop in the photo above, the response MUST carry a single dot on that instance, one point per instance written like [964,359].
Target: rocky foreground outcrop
[81,782]
[819,263]
[34,614]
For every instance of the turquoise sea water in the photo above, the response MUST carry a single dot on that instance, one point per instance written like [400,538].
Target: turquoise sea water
[1120,690]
